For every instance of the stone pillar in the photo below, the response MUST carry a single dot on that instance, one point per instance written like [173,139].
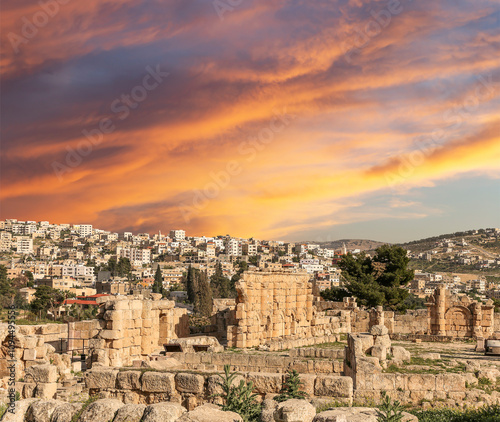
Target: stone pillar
[441,310]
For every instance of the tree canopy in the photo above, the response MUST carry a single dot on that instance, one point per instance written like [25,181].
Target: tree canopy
[375,281]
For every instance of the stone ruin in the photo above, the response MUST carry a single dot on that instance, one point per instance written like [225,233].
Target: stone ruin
[277,308]
[459,316]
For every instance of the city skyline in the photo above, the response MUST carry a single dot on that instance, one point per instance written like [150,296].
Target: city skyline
[280,120]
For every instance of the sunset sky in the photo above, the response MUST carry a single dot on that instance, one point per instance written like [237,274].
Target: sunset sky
[291,120]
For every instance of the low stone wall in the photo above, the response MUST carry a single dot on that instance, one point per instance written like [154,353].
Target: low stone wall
[428,338]
[409,388]
[243,362]
[192,389]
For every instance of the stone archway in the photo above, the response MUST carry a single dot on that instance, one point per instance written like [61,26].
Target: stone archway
[458,322]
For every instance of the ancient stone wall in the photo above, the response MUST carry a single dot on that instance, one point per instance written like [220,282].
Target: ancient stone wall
[136,327]
[305,361]
[459,316]
[274,307]
[192,389]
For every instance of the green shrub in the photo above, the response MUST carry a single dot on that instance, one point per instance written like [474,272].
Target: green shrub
[484,414]
[291,387]
[389,411]
[239,399]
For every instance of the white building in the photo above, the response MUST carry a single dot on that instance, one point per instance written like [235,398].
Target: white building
[178,235]
[85,230]
[24,245]
[233,247]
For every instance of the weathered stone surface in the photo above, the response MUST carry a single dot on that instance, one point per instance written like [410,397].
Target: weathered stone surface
[379,352]
[100,378]
[189,383]
[379,330]
[383,340]
[130,413]
[102,410]
[355,414]
[128,380]
[268,408]
[41,411]
[157,382]
[163,412]
[65,412]
[41,373]
[266,383]
[209,413]
[400,353]
[430,356]
[294,411]
[45,390]
[19,411]
[333,386]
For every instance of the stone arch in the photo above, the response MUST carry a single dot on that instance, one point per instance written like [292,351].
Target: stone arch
[458,321]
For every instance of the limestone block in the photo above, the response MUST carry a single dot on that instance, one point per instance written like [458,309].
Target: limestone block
[400,353]
[189,383]
[333,386]
[45,390]
[450,382]
[128,380]
[157,382]
[265,382]
[42,373]
[130,413]
[419,382]
[165,412]
[102,410]
[383,340]
[384,382]
[379,330]
[214,384]
[111,334]
[65,412]
[379,352]
[368,365]
[29,354]
[208,413]
[28,390]
[20,410]
[42,410]
[294,411]
[100,378]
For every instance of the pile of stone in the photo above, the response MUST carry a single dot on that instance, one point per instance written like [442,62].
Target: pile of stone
[104,410]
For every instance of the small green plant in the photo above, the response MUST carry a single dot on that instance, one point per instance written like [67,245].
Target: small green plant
[239,399]
[291,387]
[483,381]
[389,411]
[18,396]
[3,409]
[86,404]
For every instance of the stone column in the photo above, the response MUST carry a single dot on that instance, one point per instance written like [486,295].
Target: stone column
[441,310]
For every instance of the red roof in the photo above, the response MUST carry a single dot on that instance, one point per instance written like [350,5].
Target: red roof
[79,302]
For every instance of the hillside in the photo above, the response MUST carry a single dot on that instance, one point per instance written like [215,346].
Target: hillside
[361,244]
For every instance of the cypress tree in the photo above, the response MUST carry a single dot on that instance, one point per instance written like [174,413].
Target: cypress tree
[191,284]
[203,302]
[158,283]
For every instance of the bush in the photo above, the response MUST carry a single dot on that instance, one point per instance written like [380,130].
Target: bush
[291,388]
[484,414]
[389,411]
[239,399]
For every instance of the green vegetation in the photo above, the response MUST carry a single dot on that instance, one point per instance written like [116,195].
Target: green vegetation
[484,414]
[158,283]
[375,281]
[426,366]
[239,399]
[221,285]
[291,387]
[389,411]
[199,291]
[86,404]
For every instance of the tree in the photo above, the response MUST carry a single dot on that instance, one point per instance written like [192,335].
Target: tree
[7,292]
[191,284]
[221,285]
[378,281]
[291,387]
[48,298]
[158,283]
[203,301]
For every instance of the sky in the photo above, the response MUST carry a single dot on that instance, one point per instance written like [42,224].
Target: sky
[276,119]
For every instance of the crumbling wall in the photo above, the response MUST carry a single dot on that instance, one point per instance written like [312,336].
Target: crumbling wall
[273,308]
[135,327]
[459,316]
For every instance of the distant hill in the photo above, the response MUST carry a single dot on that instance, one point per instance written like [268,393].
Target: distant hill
[361,244]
